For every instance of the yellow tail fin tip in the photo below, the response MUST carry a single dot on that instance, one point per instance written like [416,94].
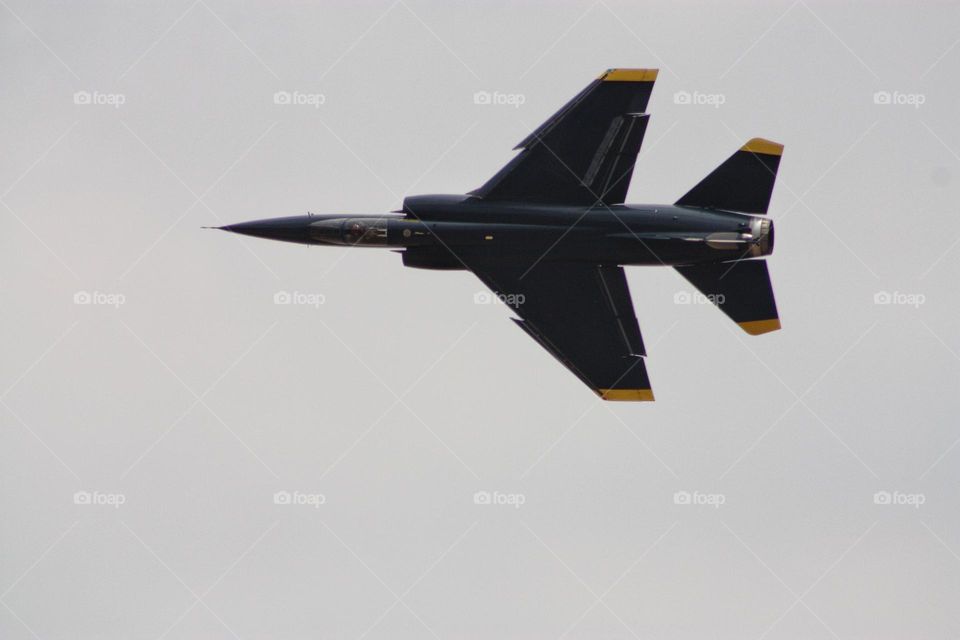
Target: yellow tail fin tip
[760,145]
[756,327]
[634,395]
[629,75]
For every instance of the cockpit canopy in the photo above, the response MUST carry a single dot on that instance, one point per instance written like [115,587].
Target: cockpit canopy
[351,231]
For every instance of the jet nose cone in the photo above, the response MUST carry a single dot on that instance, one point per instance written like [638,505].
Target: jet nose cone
[292,229]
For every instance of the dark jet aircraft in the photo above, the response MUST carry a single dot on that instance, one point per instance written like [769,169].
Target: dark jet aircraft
[550,234]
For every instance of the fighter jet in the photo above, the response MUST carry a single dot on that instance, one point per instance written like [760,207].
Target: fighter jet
[550,234]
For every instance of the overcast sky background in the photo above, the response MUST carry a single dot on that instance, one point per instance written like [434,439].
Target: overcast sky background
[183,391]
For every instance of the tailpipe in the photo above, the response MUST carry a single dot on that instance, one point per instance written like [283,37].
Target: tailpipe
[762,241]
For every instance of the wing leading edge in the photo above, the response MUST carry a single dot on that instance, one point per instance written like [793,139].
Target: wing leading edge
[584,153]
[582,314]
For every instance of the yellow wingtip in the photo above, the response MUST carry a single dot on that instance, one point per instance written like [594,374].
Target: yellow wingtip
[629,75]
[629,395]
[761,145]
[757,327]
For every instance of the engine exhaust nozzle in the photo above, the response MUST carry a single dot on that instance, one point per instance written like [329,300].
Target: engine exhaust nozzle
[762,231]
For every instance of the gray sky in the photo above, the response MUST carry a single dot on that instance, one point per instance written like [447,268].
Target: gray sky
[147,366]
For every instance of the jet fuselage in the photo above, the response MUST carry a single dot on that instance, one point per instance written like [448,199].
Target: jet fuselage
[433,229]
